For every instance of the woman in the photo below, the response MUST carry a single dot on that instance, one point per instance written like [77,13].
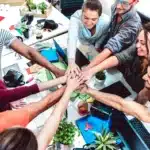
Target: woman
[23,139]
[89,26]
[10,95]
[133,61]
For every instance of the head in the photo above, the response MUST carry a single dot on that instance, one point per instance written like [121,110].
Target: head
[18,139]
[91,11]
[146,77]
[124,6]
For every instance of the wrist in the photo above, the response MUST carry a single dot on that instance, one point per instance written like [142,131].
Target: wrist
[69,89]
[71,61]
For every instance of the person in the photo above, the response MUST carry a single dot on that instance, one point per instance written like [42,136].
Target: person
[24,115]
[7,39]
[124,28]
[25,139]
[10,95]
[132,62]
[140,103]
[89,26]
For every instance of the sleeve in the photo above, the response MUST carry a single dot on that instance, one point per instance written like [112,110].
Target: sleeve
[125,37]
[13,118]
[10,95]
[73,35]
[6,37]
[104,32]
[126,56]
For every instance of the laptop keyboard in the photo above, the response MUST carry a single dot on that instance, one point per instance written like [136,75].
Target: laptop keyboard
[141,130]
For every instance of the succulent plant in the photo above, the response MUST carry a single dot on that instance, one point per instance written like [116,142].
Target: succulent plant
[105,140]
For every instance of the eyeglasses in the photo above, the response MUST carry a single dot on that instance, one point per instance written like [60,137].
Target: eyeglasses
[125,3]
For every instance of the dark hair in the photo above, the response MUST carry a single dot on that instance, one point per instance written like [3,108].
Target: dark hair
[144,61]
[18,139]
[93,5]
[146,28]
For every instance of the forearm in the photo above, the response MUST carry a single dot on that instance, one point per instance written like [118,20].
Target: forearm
[106,64]
[99,58]
[52,123]
[31,54]
[105,98]
[36,108]
[46,85]
[39,59]
[10,95]
[128,107]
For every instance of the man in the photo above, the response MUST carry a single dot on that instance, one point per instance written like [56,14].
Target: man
[135,108]
[7,39]
[125,25]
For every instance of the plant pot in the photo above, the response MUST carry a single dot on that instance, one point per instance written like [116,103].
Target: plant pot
[63,147]
[26,33]
[98,83]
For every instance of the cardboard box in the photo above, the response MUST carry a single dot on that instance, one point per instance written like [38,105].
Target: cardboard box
[24,11]
[12,2]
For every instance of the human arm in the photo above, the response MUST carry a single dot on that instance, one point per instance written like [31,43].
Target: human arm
[27,113]
[52,123]
[99,58]
[72,42]
[108,63]
[31,54]
[51,83]
[124,57]
[128,107]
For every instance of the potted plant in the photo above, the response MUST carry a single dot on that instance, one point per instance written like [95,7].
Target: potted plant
[99,79]
[65,134]
[105,140]
[42,7]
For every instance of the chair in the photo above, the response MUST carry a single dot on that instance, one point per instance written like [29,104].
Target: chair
[68,7]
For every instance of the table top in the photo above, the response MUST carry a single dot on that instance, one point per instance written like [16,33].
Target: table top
[112,77]
[58,17]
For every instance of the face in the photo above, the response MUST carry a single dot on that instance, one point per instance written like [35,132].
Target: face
[90,18]
[123,6]
[146,77]
[141,45]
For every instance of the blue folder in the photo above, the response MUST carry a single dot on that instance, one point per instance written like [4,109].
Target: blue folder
[50,54]
[97,125]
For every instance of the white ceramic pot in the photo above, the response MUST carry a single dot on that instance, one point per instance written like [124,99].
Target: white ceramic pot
[98,83]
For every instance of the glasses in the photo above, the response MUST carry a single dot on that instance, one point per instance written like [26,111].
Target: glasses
[125,3]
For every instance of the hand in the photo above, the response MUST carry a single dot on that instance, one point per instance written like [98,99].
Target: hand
[86,68]
[84,88]
[74,81]
[18,104]
[87,74]
[59,73]
[73,68]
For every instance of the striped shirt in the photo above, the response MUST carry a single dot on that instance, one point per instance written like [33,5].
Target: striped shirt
[6,39]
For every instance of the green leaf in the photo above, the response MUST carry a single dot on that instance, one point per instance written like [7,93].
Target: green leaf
[104,147]
[99,147]
[110,142]
[111,147]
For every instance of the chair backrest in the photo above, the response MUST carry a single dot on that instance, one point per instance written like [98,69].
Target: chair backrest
[68,7]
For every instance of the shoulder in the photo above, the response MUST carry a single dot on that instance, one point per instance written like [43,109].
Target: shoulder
[77,14]
[105,18]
